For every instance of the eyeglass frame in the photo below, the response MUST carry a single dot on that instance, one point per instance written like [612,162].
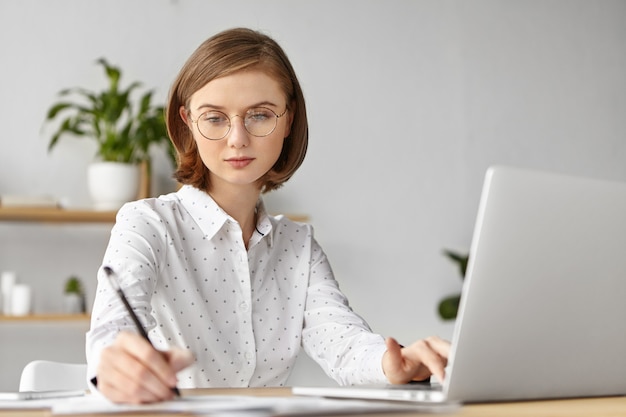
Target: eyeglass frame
[230,125]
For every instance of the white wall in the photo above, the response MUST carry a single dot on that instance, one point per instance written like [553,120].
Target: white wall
[409,102]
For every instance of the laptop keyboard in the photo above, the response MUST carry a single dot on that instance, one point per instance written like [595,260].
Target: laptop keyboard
[418,385]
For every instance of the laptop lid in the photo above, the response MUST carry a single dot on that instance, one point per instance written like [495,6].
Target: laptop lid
[543,307]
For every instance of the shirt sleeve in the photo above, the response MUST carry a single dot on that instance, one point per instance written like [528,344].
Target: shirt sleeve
[337,338]
[132,258]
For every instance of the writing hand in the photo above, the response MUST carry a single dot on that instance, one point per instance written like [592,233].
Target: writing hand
[417,361]
[132,371]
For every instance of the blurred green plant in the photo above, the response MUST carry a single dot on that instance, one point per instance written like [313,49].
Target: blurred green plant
[124,130]
[74,288]
[73,285]
[449,306]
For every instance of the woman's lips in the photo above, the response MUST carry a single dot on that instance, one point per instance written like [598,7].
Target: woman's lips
[239,162]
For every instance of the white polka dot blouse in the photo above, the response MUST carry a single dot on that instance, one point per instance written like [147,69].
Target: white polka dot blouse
[244,314]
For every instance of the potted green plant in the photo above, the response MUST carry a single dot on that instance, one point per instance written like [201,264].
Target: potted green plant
[124,129]
[449,305]
[74,296]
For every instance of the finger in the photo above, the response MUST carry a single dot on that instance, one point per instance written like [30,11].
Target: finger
[131,365]
[121,378]
[442,349]
[178,358]
[439,345]
[155,361]
[394,365]
[393,347]
[430,359]
[117,388]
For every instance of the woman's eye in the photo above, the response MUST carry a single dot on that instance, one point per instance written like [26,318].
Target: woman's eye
[258,115]
[214,118]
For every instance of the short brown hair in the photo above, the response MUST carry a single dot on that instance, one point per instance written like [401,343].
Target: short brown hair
[224,54]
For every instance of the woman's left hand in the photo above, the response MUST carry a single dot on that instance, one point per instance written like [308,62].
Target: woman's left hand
[417,361]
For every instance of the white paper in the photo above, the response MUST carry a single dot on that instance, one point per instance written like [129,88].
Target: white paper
[39,404]
[227,405]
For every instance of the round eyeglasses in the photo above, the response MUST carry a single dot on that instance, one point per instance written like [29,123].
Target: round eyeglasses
[258,121]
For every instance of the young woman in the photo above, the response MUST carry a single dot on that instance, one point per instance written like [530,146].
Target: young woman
[227,292]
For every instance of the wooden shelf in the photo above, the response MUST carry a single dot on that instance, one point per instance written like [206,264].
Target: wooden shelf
[45,317]
[57,215]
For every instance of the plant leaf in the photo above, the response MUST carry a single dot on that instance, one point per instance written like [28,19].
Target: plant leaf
[449,307]
[124,129]
[460,259]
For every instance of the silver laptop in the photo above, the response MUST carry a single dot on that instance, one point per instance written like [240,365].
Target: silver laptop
[543,307]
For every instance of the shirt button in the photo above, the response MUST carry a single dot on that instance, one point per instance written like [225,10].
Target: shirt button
[244,306]
[249,355]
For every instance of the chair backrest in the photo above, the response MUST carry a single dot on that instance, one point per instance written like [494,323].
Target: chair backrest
[43,375]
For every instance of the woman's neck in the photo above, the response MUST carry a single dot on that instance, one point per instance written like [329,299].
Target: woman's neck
[240,204]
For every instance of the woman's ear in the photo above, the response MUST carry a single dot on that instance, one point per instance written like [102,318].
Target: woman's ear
[184,114]
[290,115]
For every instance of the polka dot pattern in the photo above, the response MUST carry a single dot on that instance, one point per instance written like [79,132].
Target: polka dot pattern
[243,313]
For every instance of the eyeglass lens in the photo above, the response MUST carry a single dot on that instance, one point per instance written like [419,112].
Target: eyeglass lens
[259,121]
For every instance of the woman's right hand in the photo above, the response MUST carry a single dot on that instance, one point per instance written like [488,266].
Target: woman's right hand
[132,371]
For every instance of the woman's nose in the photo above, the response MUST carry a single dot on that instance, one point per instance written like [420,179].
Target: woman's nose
[238,137]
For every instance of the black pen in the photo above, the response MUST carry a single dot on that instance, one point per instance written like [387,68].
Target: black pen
[116,286]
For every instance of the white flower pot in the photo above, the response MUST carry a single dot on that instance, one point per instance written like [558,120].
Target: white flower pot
[73,304]
[111,184]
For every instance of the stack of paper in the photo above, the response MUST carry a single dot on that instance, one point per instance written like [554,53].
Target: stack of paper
[228,405]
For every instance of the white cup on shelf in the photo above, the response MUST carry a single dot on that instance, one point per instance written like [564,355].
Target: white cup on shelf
[21,300]
[7,283]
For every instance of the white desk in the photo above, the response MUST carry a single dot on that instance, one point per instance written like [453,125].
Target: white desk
[610,406]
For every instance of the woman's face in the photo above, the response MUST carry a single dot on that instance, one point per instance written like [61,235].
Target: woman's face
[239,158]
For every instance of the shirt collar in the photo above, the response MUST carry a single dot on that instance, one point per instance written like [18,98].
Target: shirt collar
[210,217]
[264,223]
